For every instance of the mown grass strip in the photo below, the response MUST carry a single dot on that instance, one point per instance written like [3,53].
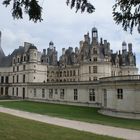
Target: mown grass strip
[86,114]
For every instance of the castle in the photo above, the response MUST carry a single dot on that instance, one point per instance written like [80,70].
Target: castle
[90,74]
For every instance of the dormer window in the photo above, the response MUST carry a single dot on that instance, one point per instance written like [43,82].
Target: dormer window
[24,58]
[14,61]
[18,59]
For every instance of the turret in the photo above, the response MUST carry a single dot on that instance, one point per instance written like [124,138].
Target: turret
[32,53]
[94,35]
[63,51]
[124,47]
[1,51]
[51,45]
[130,47]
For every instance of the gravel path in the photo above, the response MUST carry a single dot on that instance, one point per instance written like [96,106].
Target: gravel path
[83,126]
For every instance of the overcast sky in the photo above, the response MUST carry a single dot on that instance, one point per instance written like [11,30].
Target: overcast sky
[64,27]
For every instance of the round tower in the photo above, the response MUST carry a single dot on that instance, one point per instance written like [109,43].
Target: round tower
[32,53]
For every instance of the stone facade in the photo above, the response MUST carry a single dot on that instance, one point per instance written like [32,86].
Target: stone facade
[90,75]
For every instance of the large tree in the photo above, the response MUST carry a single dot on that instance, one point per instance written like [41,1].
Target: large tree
[125,12]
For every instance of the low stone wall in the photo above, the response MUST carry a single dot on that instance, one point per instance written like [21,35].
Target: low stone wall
[120,114]
[65,102]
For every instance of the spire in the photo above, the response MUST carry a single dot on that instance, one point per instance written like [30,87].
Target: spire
[1,50]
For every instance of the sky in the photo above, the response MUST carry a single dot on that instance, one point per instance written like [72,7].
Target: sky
[64,27]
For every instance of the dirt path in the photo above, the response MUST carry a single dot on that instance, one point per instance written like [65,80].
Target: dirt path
[83,126]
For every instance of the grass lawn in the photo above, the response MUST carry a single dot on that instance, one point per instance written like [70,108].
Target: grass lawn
[86,114]
[15,128]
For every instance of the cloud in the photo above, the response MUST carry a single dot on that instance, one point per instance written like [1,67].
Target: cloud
[64,27]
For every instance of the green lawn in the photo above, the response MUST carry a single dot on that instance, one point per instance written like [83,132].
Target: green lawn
[72,112]
[15,128]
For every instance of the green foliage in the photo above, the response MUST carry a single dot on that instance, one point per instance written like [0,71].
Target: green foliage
[87,114]
[29,7]
[127,13]
[82,5]
[15,128]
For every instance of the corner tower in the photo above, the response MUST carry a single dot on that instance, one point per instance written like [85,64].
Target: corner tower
[1,50]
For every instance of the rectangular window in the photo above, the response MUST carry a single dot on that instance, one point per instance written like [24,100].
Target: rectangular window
[62,93]
[13,92]
[43,95]
[16,91]
[2,79]
[43,90]
[17,78]
[34,92]
[24,78]
[95,59]
[94,69]
[50,93]
[75,94]
[74,73]
[120,93]
[24,67]
[56,91]
[7,79]
[89,69]
[94,78]
[17,68]
[91,95]
[13,79]
[13,69]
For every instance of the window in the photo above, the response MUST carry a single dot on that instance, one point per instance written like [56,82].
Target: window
[60,73]
[75,94]
[91,95]
[62,93]
[17,68]
[74,73]
[1,90]
[13,92]
[18,60]
[24,78]
[95,59]
[71,73]
[24,67]
[6,90]
[34,92]
[56,91]
[78,72]
[43,90]
[64,74]
[89,69]
[13,79]
[7,79]
[94,69]
[89,78]
[13,69]
[120,93]
[17,91]
[2,79]
[50,93]
[24,58]
[68,73]
[94,51]
[17,78]
[43,93]
[94,78]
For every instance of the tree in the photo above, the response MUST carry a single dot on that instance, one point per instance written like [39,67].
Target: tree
[34,10]
[125,12]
